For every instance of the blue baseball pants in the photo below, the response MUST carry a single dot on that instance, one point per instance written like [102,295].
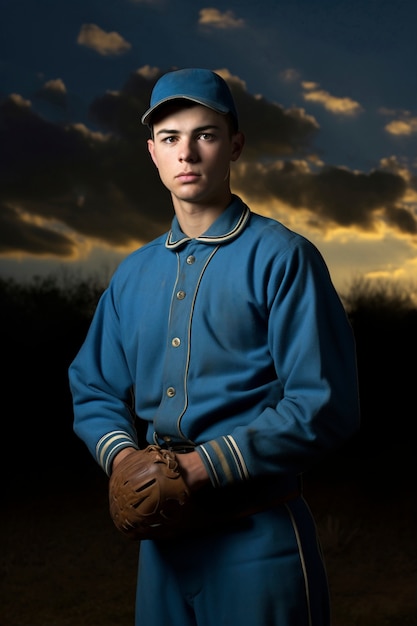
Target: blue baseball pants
[262,570]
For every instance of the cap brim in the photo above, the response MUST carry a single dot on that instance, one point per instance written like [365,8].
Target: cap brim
[146,117]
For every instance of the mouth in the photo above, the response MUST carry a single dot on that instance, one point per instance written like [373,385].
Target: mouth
[187,177]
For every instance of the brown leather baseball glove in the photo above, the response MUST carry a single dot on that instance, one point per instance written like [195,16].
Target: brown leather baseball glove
[147,494]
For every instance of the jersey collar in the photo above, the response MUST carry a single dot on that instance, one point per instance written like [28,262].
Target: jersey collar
[226,227]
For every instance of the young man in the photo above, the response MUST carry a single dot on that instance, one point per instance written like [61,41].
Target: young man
[238,351]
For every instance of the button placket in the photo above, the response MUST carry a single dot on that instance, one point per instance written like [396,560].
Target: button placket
[174,401]
[181,294]
[176,357]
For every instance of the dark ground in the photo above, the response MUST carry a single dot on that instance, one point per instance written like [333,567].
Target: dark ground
[63,563]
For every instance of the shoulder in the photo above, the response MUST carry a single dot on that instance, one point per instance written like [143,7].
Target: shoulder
[274,236]
[137,268]
[140,257]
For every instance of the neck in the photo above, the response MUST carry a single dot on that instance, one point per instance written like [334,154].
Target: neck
[195,219]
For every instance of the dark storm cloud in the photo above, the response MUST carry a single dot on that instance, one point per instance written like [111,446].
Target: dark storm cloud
[90,182]
[402,220]
[102,183]
[271,131]
[19,235]
[335,196]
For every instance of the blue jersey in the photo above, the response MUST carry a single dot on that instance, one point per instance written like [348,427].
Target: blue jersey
[235,342]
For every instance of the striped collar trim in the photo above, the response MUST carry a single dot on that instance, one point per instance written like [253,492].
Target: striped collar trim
[230,223]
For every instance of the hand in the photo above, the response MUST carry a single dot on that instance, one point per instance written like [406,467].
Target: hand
[193,470]
[121,455]
[148,496]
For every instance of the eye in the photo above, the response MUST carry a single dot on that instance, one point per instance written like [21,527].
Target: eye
[206,136]
[169,139]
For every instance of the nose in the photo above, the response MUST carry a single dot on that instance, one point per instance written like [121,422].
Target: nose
[187,151]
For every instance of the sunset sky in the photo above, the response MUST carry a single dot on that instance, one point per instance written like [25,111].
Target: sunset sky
[327,94]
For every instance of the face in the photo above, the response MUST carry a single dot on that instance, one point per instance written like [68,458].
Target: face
[192,149]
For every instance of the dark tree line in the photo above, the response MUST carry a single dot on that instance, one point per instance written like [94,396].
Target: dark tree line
[45,321]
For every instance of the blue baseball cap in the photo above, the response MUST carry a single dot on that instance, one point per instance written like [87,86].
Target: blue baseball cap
[198,85]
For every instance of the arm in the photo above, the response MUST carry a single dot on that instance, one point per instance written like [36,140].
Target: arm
[312,406]
[101,384]
[193,470]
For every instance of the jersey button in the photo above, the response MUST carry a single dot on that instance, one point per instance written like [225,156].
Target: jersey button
[180,295]
[190,259]
[176,342]
[171,392]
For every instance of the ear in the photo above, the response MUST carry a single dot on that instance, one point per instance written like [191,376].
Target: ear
[151,149]
[238,142]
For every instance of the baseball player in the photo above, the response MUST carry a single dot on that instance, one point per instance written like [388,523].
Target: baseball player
[241,360]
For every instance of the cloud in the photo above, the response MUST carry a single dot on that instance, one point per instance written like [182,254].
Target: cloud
[15,99]
[406,126]
[271,130]
[22,233]
[404,123]
[55,86]
[62,183]
[106,44]
[53,91]
[333,196]
[334,104]
[215,19]
[402,219]
[86,181]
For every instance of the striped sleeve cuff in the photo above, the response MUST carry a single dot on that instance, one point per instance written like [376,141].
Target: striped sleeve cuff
[224,461]
[110,445]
